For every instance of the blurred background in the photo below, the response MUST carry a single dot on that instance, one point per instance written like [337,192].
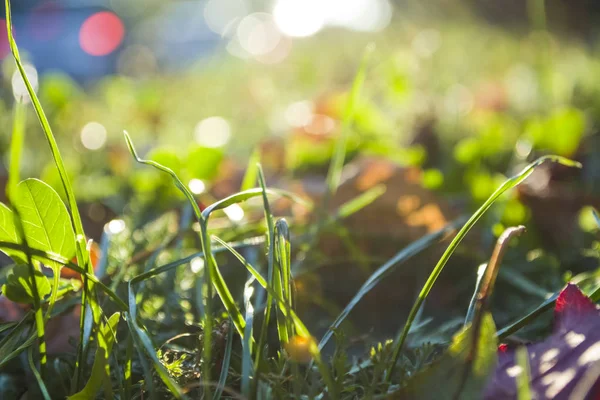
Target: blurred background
[465,91]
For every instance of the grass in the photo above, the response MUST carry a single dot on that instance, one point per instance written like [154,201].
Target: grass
[233,331]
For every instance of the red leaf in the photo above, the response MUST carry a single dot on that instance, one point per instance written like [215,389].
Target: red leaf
[565,365]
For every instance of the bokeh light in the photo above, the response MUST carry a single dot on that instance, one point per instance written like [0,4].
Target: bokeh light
[93,136]
[197,186]
[115,226]
[101,33]
[302,18]
[197,265]
[221,15]
[234,212]
[299,114]
[212,132]
[299,18]
[18,85]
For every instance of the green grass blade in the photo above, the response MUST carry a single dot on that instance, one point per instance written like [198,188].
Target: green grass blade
[247,368]
[224,366]
[337,161]
[508,184]
[36,374]
[361,201]
[383,271]
[251,193]
[273,281]
[246,264]
[16,146]
[251,175]
[283,252]
[83,257]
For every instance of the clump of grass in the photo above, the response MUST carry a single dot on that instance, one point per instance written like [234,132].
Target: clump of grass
[117,351]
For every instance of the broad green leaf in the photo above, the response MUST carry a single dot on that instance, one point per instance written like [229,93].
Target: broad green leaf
[445,379]
[45,219]
[18,286]
[100,369]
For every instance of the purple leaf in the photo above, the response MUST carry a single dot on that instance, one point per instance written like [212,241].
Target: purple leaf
[566,365]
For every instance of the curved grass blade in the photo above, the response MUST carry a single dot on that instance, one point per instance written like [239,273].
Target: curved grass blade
[83,256]
[383,271]
[508,184]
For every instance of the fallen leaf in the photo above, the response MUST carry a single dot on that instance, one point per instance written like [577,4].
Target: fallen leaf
[566,365]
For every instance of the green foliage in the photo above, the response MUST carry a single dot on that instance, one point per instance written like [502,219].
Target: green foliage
[45,219]
[19,288]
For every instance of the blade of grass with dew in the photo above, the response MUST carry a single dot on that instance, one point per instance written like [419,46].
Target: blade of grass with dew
[283,252]
[508,184]
[83,256]
[383,271]
[36,374]
[224,365]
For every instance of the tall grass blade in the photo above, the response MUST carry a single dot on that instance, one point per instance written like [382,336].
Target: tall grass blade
[508,184]
[83,257]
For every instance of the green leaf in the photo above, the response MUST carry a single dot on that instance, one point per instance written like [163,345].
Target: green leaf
[100,369]
[8,231]
[444,379]
[18,285]
[45,219]
[202,162]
